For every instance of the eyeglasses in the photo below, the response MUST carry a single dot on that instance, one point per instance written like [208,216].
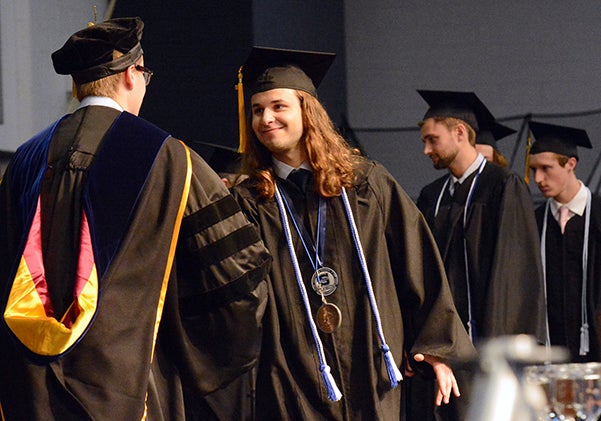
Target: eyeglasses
[146,71]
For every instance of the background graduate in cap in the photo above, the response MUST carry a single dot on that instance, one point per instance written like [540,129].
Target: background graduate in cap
[131,284]
[486,141]
[357,280]
[570,226]
[483,221]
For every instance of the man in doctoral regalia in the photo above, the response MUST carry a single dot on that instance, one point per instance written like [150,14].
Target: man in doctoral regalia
[130,282]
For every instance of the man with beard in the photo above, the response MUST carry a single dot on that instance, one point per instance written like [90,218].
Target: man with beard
[483,221]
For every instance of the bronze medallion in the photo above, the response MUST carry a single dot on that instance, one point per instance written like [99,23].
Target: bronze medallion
[328,318]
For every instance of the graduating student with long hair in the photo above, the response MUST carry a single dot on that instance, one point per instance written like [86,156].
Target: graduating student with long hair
[357,281]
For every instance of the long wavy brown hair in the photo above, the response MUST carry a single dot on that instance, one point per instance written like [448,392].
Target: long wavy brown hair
[333,160]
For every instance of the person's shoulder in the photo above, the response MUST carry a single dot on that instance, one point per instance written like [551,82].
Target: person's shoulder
[539,210]
[494,174]
[435,186]
[366,168]
[140,123]
[370,174]
[596,204]
[496,171]
[595,198]
[244,190]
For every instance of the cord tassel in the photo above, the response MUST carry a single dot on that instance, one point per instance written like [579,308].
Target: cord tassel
[334,393]
[241,114]
[584,339]
[394,374]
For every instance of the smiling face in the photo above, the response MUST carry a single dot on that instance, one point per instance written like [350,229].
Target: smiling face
[277,121]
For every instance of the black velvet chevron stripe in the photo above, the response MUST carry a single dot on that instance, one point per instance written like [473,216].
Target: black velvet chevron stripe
[193,305]
[209,215]
[228,245]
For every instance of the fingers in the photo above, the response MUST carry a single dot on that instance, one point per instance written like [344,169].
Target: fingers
[419,357]
[444,394]
[439,398]
[447,383]
[456,391]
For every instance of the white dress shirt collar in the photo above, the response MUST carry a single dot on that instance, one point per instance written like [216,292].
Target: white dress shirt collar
[282,170]
[102,101]
[576,206]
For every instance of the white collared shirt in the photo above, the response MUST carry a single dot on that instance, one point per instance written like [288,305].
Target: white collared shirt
[102,101]
[576,206]
[470,170]
[282,170]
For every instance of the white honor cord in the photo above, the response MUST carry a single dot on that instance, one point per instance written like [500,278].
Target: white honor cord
[444,186]
[543,256]
[584,328]
[465,257]
[394,374]
[470,323]
[334,393]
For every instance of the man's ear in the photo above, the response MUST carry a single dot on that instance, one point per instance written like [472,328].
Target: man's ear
[128,77]
[461,131]
[571,164]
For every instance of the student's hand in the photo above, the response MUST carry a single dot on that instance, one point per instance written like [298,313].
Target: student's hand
[227,182]
[444,377]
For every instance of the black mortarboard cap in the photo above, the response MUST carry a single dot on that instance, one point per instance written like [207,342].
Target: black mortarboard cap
[562,140]
[272,68]
[465,106]
[88,54]
[224,159]
[492,131]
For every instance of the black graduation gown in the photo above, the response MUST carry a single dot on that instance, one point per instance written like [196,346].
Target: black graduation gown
[410,289]
[505,273]
[564,280]
[211,299]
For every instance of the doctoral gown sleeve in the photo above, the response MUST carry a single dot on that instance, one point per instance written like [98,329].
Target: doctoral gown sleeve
[217,303]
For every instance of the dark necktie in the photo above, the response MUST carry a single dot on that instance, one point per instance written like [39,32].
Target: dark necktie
[300,178]
[455,187]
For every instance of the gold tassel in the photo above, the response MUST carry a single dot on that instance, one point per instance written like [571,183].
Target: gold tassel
[95,17]
[241,114]
[528,147]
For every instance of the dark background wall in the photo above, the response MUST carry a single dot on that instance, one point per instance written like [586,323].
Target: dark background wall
[521,58]
[195,49]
